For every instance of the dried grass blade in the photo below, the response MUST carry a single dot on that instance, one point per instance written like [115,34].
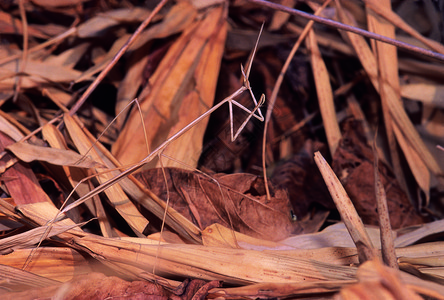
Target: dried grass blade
[73,175]
[189,147]
[231,265]
[42,213]
[33,236]
[114,193]
[347,210]
[17,280]
[281,290]
[397,112]
[386,56]
[324,92]
[28,153]
[389,15]
[56,263]
[9,129]
[424,230]
[218,235]
[416,164]
[430,94]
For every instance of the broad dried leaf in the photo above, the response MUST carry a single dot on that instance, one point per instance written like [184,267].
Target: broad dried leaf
[28,153]
[23,187]
[58,3]
[168,87]
[237,201]
[39,72]
[353,163]
[96,26]
[11,25]
[187,149]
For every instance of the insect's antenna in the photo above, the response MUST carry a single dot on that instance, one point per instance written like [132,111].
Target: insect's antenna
[250,60]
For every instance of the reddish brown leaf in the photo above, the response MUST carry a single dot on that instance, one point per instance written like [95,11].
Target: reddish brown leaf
[236,201]
[22,184]
[98,286]
[301,178]
[353,163]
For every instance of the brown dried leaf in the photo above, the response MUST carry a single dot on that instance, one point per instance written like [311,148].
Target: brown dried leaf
[237,201]
[61,157]
[353,164]
[96,26]
[97,286]
[23,187]
[188,148]
[167,97]
[303,182]
[39,72]
[9,24]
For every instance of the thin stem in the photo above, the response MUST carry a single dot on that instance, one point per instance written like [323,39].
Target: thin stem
[356,30]
[115,59]
[276,89]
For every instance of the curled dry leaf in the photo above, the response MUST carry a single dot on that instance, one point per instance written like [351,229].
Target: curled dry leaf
[237,201]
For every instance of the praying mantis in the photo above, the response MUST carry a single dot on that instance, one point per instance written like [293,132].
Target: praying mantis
[230,100]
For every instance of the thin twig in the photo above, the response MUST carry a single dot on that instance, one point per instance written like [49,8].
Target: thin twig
[24,53]
[356,30]
[116,58]
[276,89]
[41,46]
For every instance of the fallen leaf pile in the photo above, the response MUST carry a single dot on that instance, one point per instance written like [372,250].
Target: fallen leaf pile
[221,149]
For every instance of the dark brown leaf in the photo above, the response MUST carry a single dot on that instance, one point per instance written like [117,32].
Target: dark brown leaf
[353,163]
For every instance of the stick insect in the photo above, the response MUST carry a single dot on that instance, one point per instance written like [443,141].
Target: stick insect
[255,112]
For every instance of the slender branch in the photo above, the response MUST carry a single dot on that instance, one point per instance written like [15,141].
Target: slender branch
[116,58]
[356,30]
